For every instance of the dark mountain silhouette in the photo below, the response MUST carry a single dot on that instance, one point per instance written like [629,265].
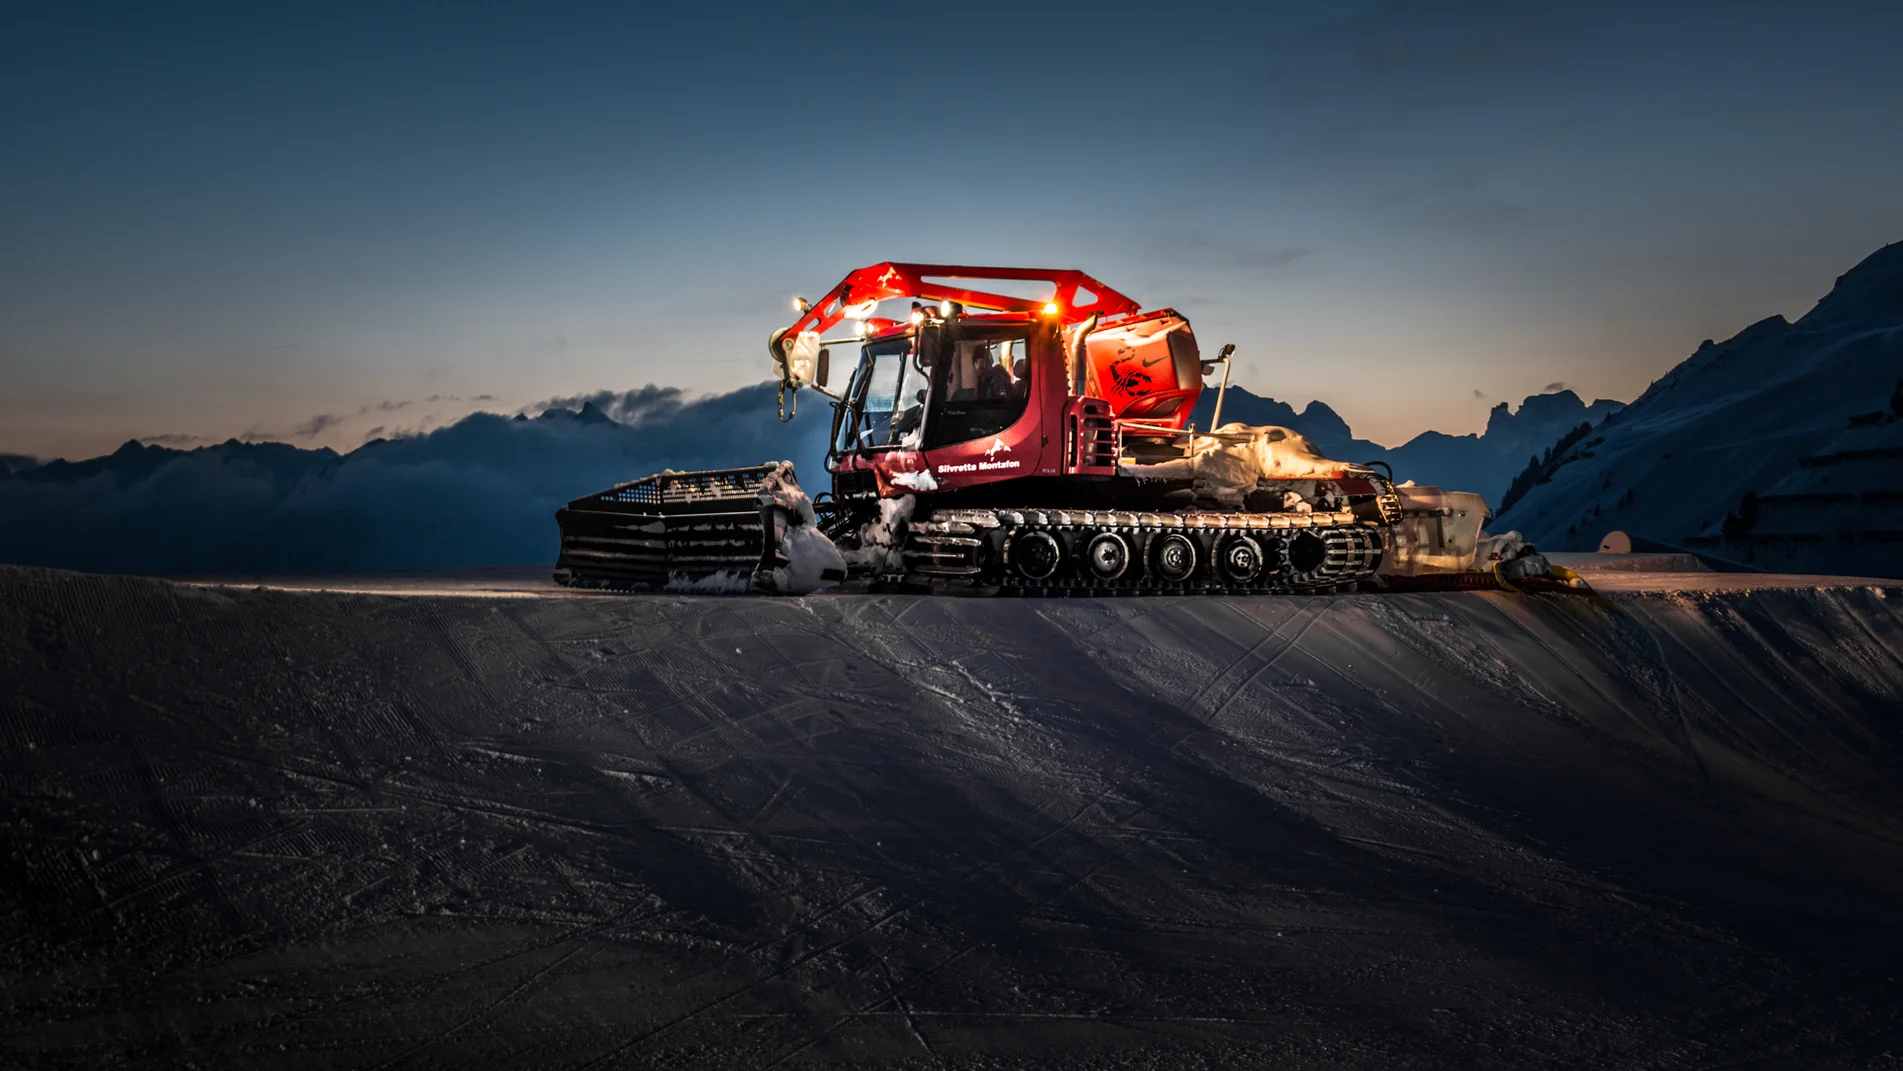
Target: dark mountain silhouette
[1782,445]
[1484,464]
[1323,426]
[136,461]
[482,491]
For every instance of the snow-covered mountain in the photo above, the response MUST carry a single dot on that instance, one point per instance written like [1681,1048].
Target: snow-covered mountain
[1486,463]
[482,491]
[1782,446]
[1483,463]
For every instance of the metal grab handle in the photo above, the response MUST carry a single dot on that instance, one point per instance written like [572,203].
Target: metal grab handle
[1215,418]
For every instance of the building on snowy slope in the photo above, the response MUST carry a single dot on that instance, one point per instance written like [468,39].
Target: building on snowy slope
[1846,498]
[1781,447]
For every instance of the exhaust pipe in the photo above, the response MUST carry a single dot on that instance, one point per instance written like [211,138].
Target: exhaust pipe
[1078,369]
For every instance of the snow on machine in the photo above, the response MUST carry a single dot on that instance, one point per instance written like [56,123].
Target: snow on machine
[993,444]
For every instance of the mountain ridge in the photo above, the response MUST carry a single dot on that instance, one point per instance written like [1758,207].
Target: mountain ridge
[1481,462]
[1781,446]
[481,491]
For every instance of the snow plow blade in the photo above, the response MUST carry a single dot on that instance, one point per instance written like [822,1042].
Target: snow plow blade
[1553,580]
[673,529]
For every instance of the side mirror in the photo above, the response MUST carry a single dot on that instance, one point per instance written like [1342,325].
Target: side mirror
[1209,367]
[825,365]
[932,339]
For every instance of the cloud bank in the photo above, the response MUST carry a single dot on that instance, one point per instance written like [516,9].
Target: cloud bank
[480,491]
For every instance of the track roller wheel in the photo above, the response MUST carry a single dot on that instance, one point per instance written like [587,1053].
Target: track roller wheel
[1239,558]
[1107,555]
[1306,553]
[1034,555]
[1174,557]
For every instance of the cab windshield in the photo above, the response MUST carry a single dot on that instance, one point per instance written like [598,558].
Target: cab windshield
[889,390]
[900,397]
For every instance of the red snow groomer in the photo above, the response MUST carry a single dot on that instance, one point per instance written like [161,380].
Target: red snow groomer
[1013,445]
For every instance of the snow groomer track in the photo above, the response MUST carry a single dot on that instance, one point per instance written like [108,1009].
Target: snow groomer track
[254,827]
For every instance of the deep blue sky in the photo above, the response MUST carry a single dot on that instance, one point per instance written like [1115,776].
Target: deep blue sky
[221,219]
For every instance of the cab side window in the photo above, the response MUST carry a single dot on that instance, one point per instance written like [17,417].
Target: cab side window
[984,390]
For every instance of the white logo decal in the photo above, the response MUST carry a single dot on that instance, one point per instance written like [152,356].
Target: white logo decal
[997,447]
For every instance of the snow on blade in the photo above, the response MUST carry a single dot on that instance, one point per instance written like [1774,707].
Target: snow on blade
[806,559]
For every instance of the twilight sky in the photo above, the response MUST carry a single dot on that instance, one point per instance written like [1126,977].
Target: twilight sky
[217,220]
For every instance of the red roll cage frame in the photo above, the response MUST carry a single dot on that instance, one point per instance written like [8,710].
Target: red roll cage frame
[879,282]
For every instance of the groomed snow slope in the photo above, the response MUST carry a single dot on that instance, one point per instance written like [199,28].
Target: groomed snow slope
[320,830]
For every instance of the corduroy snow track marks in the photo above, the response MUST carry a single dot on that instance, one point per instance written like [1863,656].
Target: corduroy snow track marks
[1424,829]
